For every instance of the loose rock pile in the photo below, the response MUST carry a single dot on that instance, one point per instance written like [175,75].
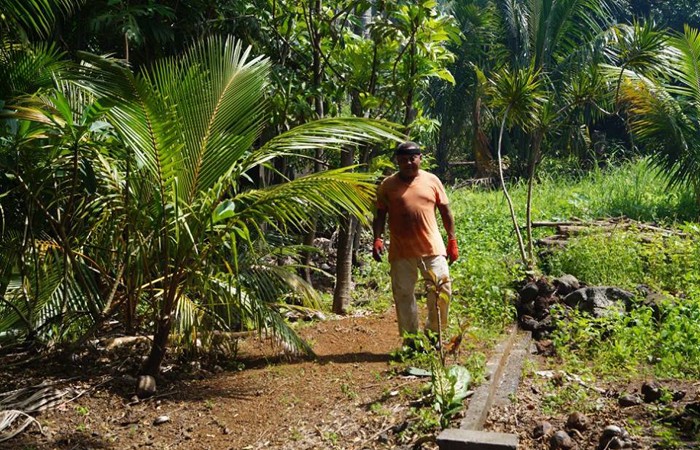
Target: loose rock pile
[538,296]
[611,436]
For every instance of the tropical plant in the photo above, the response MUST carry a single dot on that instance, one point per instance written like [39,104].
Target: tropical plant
[26,69]
[518,98]
[190,124]
[22,18]
[664,111]
[51,202]
[458,105]
[553,44]
[26,65]
[180,231]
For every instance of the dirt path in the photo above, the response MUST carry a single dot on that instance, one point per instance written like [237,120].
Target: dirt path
[349,397]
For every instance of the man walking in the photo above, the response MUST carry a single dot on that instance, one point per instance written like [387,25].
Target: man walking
[410,197]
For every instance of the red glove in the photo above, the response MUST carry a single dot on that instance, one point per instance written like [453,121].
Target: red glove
[452,250]
[378,249]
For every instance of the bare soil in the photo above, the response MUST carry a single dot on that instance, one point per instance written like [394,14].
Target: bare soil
[352,396]
[274,402]
[668,423]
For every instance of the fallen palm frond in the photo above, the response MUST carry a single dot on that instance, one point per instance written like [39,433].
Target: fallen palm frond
[21,403]
[9,417]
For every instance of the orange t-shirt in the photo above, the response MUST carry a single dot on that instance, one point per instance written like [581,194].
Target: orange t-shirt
[413,226]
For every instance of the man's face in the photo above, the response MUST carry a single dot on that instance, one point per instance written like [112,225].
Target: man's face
[408,165]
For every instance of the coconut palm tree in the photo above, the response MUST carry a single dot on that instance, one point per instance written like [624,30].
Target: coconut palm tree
[144,202]
[556,42]
[198,224]
[664,111]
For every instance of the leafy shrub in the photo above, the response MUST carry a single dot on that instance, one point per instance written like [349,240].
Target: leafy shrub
[608,258]
[673,263]
[677,351]
[633,343]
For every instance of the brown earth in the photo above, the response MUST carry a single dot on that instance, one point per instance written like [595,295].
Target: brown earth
[352,396]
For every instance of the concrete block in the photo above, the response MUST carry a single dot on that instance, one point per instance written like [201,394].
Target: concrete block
[459,439]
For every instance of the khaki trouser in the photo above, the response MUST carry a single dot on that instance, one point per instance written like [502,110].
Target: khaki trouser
[404,274]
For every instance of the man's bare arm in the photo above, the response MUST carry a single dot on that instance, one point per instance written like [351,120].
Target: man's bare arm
[448,221]
[379,223]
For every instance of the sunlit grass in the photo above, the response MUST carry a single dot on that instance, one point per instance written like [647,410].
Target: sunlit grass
[485,278]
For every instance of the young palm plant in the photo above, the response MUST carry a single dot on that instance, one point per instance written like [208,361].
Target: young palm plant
[51,203]
[551,44]
[196,226]
[664,111]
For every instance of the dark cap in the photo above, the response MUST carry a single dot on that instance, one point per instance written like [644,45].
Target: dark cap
[407,148]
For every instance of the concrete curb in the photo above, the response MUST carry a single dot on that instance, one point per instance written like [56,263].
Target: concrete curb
[458,439]
[503,375]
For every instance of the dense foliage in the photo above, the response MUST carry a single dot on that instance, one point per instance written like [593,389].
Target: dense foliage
[177,185]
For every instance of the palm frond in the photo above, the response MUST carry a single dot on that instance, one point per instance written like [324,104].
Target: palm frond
[520,93]
[329,135]
[28,68]
[222,125]
[35,15]
[688,65]
[640,47]
[333,134]
[300,201]
[255,314]
[516,18]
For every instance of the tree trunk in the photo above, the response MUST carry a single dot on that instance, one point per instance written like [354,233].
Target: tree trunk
[534,160]
[317,69]
[343,267]
[410,114]
[343,277]
[482,154]
[158,348]
[513,217]
[441,151]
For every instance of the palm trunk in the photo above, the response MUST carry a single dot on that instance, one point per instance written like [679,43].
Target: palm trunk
[513,217]
[343,269]
[159,347]
[536,145]
[343,280]
[163,322]
[482,156]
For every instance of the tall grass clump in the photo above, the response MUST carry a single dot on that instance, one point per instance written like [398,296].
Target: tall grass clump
[628,258]
[635,189]
[672,263]
[639,191]
[607,258]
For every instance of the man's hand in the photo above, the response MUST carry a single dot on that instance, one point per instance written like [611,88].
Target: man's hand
[452,250]
[378,249]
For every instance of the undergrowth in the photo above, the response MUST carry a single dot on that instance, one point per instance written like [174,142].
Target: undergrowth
[486,277]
